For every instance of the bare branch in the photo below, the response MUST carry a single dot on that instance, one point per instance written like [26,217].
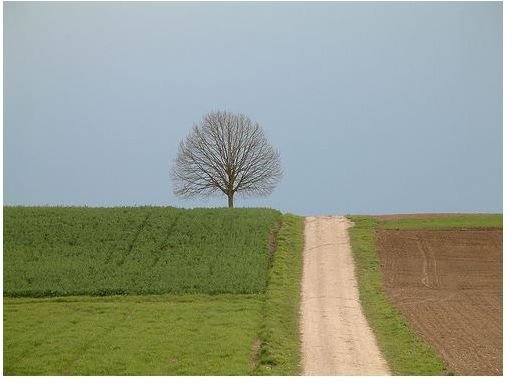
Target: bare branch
[229,153]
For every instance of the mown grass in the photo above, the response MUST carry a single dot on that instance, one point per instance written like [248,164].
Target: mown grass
[279,334]
[403,350]
[446,222]
[52,251]
[131,335]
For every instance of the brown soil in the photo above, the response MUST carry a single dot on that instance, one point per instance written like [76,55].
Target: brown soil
[448,284]
[336,338]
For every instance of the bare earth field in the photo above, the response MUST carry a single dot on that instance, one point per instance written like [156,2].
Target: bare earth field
[448,284]
[336,338]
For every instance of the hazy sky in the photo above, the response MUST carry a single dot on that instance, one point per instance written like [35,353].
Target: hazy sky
[375,107]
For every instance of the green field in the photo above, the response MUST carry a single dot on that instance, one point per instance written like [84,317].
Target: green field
[405,352]
[131,335]
[110,251]
[199,302]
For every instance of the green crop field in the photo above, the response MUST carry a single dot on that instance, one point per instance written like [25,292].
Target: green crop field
[184,292]
[108,251]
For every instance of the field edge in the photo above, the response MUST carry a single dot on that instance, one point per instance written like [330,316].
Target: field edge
[279,351]
[441,221]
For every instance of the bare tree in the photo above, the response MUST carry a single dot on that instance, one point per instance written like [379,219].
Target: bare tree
[226,153]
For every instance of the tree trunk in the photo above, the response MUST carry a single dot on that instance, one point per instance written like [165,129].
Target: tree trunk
[230,200]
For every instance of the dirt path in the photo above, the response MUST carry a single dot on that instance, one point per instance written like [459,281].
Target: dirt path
[336,338]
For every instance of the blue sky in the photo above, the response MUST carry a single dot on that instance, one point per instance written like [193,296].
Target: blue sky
[375,107]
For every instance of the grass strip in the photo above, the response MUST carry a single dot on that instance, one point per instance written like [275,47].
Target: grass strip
[280,332]
[446,222]
[403,350]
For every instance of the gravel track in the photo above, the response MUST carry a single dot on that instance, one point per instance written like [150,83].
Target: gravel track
[336,338]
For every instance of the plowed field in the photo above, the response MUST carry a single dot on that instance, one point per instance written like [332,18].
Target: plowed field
[448,284]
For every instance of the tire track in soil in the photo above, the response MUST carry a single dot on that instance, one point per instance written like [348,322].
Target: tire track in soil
[430,277]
